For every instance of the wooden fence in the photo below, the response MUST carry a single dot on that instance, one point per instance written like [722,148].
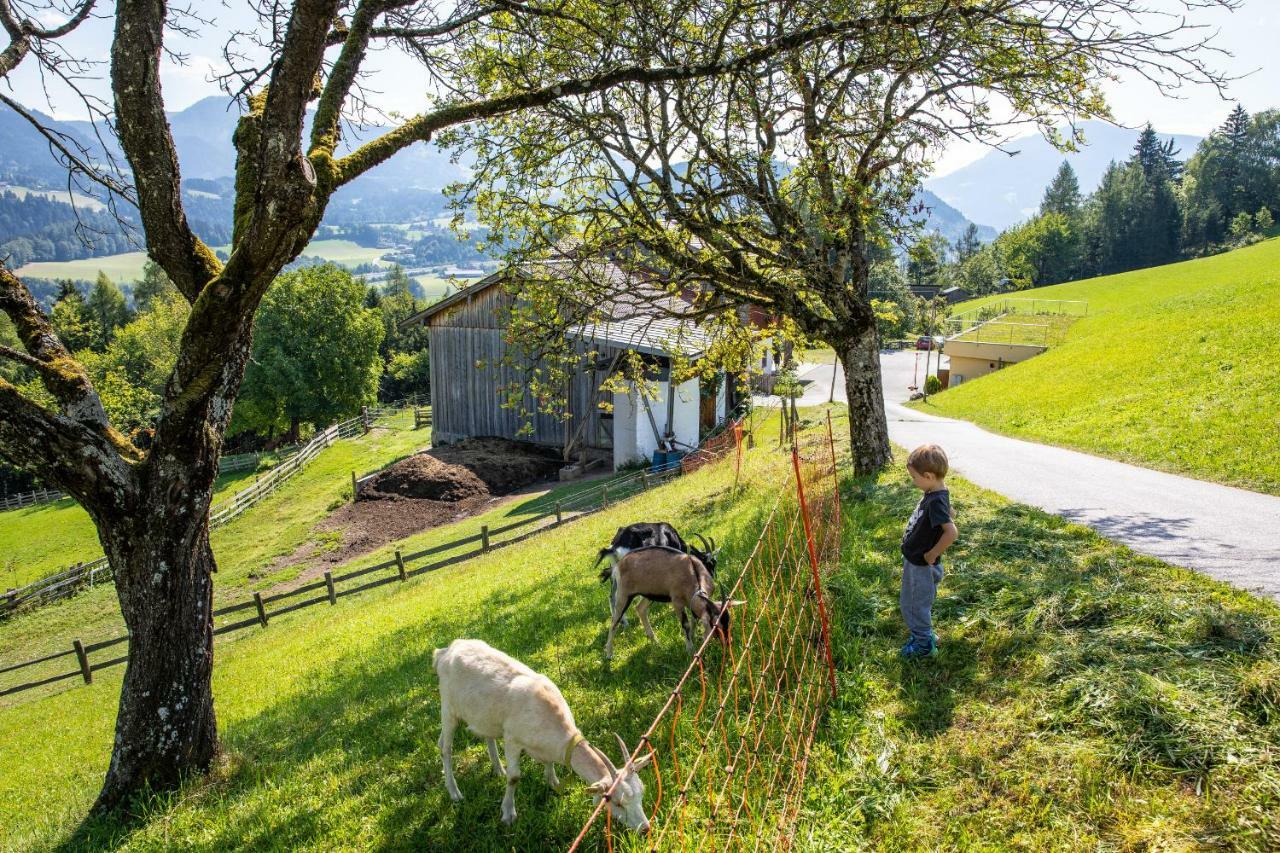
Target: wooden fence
[85,575]
[257,610]
[38,496]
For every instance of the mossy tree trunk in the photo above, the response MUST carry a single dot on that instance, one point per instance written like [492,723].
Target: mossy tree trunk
[859,354]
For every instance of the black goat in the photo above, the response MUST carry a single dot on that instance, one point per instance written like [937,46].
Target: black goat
[650,534]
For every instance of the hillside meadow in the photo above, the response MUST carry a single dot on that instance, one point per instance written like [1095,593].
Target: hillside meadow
[127,266]
[1084,697]
[1175,367]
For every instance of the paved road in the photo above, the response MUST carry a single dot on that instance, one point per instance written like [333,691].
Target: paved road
[1226,533]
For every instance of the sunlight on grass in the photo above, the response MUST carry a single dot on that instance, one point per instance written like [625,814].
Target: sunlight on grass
[1174,368]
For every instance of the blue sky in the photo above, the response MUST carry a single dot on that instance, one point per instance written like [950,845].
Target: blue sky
[1251,35]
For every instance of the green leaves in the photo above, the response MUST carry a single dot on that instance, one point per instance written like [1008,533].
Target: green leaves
[315,352]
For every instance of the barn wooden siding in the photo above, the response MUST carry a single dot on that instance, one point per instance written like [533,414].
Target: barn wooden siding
[467,401]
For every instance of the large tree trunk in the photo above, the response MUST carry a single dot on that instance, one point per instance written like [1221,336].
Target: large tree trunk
[163,566]
[868,428]
[165,727]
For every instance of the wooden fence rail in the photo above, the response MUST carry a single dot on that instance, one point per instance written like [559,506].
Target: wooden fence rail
[38,496]
[395,570]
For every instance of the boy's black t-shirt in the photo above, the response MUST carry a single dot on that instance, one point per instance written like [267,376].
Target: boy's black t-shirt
[924,528]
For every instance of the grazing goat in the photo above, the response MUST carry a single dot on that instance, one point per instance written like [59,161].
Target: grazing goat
[499,697]
[667,575]
[649,534]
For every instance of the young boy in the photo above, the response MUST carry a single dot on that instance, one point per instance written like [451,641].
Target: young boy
[929,532]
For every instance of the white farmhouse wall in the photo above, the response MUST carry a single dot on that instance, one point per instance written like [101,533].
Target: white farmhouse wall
[626,408]
[685,422]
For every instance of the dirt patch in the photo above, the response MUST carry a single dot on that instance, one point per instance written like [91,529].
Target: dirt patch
[429,489]
[456,472]
[424,476]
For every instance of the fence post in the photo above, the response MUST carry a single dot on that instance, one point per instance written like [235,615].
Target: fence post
[84,661]
[328,583]
[404,576]
[364,417]
[604,496]
[559,513]
[813,565]
[262,611]
[644,479]
[355,486]
[484,537]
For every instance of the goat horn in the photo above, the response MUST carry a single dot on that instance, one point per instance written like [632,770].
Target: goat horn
[714,546]
[705,547]
[622,745]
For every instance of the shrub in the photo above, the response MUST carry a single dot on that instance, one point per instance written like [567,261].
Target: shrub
[932,384]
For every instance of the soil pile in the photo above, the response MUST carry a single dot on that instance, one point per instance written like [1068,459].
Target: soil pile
[468,469]
[435,487]
[424,477]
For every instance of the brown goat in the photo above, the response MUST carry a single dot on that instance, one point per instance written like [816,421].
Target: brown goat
[667,575]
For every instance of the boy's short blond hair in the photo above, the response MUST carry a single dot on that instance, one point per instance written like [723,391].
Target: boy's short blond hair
[928,459]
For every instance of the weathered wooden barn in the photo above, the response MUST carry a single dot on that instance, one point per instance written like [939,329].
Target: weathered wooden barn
[470,373]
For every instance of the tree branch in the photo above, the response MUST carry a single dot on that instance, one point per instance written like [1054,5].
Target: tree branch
[422,128]
[148,144]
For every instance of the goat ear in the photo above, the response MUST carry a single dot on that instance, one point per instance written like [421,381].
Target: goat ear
[599,789]
[642,762]
[734,602]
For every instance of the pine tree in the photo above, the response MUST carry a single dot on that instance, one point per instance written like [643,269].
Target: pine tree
[153,285]
[968,243]
[108,308]
[1063,193]
[1156,157]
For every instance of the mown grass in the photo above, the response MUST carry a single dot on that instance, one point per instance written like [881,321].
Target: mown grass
[1084,697]
[329,716]
[1174,368]
[39,540]
[244,548]
[1033,329]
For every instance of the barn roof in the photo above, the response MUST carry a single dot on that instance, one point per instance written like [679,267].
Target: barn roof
[650,335]
[637,311]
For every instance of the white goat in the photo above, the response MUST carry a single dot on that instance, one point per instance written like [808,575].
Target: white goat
[664,574]
[499,697]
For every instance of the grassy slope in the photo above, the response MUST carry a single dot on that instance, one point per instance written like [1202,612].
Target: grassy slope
[278,525]
[1174,368]
[329,715]
[127,266]
[39,540]
[1085,697]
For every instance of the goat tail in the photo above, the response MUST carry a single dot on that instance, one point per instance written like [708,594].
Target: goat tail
[604,552]
[435,659]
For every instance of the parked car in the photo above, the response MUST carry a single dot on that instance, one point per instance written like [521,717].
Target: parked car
[926,342]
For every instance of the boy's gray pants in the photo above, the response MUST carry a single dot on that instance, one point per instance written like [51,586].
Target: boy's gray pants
[919,589]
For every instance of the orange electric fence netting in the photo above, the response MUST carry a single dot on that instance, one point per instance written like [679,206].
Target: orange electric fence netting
[730,747]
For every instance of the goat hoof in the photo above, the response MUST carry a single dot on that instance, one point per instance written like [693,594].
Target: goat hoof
[456,796]
[509,819]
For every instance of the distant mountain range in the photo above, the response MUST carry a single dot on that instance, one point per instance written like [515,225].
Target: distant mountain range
[1003,190]
[406,188]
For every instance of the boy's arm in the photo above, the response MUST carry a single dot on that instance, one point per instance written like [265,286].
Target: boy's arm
[949,535]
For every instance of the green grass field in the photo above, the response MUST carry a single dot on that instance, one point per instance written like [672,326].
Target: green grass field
[1174,367]
[1084,698]
[127,267]
[40,540]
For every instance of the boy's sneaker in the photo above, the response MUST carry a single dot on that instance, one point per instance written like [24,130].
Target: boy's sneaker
[914,649]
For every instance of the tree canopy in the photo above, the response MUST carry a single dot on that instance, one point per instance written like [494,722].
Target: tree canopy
[315,353]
